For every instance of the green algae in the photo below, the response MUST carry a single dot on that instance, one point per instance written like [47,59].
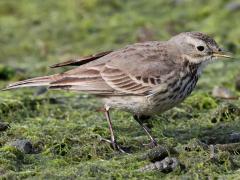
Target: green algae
[66,129]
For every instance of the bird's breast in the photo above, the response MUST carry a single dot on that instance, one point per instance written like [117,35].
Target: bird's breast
[176,90]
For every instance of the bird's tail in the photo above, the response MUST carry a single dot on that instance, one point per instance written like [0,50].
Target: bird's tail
[33,82]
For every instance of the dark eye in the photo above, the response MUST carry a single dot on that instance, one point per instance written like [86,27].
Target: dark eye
[200,48]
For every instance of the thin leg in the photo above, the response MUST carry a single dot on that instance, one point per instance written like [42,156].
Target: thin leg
[145,128]
[107,115]
[113,140]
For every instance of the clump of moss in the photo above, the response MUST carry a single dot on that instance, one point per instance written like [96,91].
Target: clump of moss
[11,158]
[201,101]
[6,72]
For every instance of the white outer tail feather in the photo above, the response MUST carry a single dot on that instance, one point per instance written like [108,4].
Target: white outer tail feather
[33,82]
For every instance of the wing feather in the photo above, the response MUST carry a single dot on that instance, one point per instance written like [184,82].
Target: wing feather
[125,83]
[81,60]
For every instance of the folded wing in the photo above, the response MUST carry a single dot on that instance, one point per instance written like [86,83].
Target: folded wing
[135,70]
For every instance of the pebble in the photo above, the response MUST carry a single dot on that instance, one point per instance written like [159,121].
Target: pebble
[167,165]
[23,145]
[159,153]
[233,6]
[222,92]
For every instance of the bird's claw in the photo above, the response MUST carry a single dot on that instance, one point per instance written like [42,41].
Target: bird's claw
[114,145]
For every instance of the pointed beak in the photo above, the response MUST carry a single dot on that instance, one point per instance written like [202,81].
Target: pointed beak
[223,54]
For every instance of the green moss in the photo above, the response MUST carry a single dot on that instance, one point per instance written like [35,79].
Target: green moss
[6,73]
[201,101]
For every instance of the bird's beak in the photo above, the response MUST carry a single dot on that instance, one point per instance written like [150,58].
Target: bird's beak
[223,54]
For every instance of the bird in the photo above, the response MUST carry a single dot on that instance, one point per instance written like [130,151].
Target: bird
[144,78]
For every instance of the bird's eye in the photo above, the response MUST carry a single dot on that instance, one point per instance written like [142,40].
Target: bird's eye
[200,48]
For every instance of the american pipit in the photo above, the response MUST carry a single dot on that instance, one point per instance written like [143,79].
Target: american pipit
[145,78]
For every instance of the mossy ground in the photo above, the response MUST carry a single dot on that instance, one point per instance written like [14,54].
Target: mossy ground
[65,128]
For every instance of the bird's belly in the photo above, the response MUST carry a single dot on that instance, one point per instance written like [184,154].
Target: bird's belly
[139,104]
[133,104]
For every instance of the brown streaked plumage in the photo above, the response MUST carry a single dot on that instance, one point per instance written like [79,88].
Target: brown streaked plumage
[144,78]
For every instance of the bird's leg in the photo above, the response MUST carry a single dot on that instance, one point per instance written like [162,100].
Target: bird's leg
[145,128]
[113,140]
[107,115]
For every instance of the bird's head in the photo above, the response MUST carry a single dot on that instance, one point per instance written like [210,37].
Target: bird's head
[197,47]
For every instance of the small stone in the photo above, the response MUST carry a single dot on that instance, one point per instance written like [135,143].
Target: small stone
[222,92]
[233,6]
[24,146]
[158,153]
[237,83]
[167,165]
[4,126]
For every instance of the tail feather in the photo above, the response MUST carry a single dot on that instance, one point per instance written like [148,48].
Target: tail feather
[38,81]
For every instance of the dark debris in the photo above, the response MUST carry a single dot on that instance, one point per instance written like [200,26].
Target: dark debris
[237,82]
[4,126]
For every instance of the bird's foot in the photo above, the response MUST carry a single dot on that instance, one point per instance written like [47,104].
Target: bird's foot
[152,144]
[114,145]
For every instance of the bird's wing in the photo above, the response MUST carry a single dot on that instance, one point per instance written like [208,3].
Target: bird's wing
[134,70]
[83,79]
[81,60]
